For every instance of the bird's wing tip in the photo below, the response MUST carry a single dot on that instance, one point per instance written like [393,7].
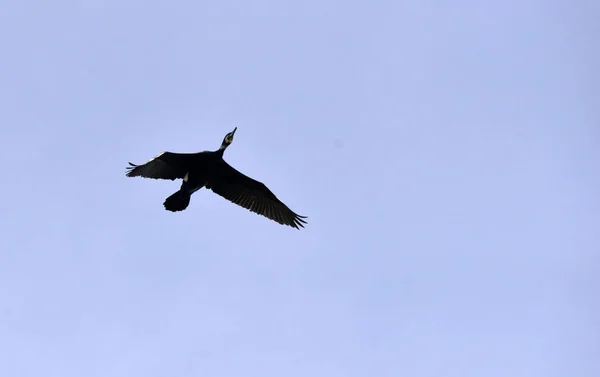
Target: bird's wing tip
[298,222]
[129,169]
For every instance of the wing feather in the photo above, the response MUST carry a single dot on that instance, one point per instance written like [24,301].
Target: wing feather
[166,165]
[252,195]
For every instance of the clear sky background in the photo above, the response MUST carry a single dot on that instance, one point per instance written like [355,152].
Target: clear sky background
[446,155]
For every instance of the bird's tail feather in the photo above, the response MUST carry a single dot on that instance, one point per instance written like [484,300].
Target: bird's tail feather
[177,202]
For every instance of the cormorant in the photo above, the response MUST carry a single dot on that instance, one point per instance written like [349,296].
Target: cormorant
[208,169]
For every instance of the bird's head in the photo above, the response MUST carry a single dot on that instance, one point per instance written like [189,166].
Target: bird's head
[228,139]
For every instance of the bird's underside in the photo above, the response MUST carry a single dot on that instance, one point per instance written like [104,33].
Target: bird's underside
[209,170]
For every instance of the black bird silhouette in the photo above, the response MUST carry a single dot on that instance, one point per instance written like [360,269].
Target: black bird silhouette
[208,169]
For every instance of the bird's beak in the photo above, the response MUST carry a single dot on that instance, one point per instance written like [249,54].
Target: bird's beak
[233,132]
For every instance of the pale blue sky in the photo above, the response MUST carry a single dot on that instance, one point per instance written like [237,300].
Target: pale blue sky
[446,154]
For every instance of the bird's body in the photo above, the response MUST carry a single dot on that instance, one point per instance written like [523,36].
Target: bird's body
[208,169]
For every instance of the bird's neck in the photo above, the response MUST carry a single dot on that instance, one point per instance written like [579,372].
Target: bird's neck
[222,148]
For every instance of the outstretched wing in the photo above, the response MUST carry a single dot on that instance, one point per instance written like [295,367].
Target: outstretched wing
[167,165]
[252,195]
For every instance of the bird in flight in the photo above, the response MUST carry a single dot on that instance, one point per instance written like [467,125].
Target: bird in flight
[208,169]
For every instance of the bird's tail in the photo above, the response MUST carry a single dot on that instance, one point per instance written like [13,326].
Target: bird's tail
[177,202]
